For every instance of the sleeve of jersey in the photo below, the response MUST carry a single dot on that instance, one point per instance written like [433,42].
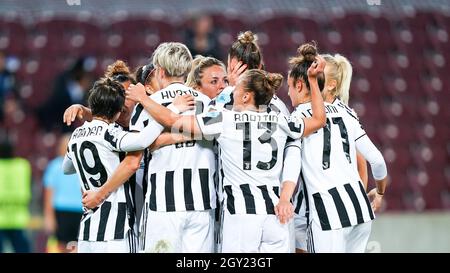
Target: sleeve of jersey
[292,162]
[296,127]
[134,141]
[360,132]
[210,123]
[139,118]
[365,146]
[223,100]
[67,166]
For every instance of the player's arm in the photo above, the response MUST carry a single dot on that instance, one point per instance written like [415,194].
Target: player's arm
[378,166]
[291,172]
[179,104]
[124,171]
[318,118]
[68,167]
[76,111]
[135,141]
[168,138]
[362,168]
[160,113]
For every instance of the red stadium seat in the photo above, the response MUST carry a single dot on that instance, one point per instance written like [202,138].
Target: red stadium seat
[12,37]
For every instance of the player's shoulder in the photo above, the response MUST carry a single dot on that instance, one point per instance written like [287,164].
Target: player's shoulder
[278,105]
[345,109]
[301,109]
[113,133]
[202,97]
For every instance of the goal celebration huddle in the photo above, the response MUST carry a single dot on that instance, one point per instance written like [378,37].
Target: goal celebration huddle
[195,154]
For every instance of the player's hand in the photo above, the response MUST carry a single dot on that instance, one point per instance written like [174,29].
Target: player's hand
[284,210]
[136,92]
[235,71]
[376,199]
[184,103]
[316,67]
[74,111]
[92,199]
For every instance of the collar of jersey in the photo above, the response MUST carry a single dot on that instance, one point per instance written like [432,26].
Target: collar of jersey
[175,83]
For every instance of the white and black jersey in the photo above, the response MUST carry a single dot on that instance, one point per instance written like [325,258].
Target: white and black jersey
[335,194]
[139,120]
[251,152]
[300,200]
[181,176]
[93,151]
[225,101]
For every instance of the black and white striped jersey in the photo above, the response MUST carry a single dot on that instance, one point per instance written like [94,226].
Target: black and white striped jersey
[139,120]
[251,151]
[93,151]
[181,176]
[225,101]
[335,194]
[299,199]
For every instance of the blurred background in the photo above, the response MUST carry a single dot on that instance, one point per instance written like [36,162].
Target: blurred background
[52,50]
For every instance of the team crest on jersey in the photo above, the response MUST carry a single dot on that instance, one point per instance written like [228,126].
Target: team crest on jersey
[111,136]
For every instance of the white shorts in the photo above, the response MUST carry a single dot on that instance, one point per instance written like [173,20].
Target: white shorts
[300,226]
[179,231]
[246,233]
[113,246]
[345,240]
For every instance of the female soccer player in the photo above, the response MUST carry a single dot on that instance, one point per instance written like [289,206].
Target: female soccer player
[251,177]
[208,75]
[93,152]
[339,209]
[244,54]
[338,74]
[146,75]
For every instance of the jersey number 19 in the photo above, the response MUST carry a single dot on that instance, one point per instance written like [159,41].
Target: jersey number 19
[83,166]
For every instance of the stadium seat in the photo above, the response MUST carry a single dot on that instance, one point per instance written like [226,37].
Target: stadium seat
[12,37]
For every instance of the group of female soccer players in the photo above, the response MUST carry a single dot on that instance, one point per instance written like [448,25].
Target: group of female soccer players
[222,164]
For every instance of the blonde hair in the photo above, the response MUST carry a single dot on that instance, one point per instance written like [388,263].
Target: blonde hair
[199,64]
[262,84]
[174,58]
[340,70]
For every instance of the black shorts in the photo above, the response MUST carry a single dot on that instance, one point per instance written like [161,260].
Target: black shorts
[68,225]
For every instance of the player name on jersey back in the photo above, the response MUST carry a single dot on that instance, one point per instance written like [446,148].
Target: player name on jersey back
[171,94]
[255,117]
[88,131]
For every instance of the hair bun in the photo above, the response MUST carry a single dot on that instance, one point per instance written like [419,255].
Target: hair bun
[247,37]
[308,51]
[273,81]
[118,67]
